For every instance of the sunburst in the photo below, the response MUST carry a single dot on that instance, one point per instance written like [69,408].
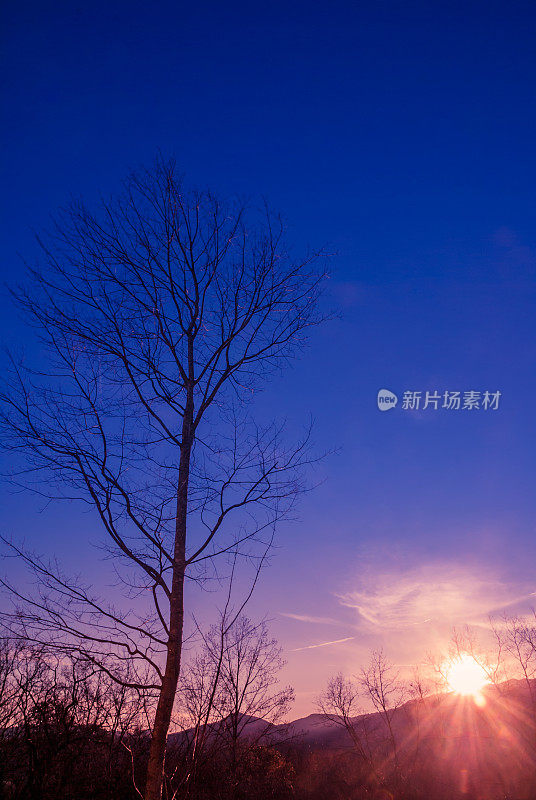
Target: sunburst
[466,677]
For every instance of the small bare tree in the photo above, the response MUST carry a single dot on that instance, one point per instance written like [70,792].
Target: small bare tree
[159,315]
[249,701]
[230,698]
[382,683]
[515,639]
[342,702]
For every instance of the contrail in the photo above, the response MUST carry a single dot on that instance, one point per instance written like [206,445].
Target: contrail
[323,644]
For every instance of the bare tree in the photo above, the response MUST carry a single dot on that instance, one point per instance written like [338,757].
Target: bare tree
[58,708]
[159,315]
[382,683]
[515,639]
[9,654]
[230,698]
[249,701]
[342,702]
[516,651]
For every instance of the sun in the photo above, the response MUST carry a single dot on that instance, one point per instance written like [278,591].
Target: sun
[466,677]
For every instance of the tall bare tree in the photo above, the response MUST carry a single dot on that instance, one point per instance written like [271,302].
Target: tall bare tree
[159,315]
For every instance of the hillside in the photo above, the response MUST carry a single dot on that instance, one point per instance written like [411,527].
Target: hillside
[442,746]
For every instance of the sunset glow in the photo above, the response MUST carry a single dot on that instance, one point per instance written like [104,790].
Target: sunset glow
[467,678]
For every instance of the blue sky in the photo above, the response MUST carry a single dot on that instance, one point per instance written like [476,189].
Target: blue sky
[401,136]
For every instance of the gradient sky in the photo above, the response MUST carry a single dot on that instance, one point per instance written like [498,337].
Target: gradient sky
[401,135]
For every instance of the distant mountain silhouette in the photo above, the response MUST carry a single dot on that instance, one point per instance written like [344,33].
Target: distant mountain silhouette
[505,704]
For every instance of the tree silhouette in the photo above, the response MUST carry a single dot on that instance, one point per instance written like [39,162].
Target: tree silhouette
[159,315]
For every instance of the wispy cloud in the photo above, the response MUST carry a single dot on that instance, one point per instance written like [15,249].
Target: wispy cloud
[322,644]
[440,593]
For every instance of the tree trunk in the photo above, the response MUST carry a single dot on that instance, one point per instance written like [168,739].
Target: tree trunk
[157,752]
